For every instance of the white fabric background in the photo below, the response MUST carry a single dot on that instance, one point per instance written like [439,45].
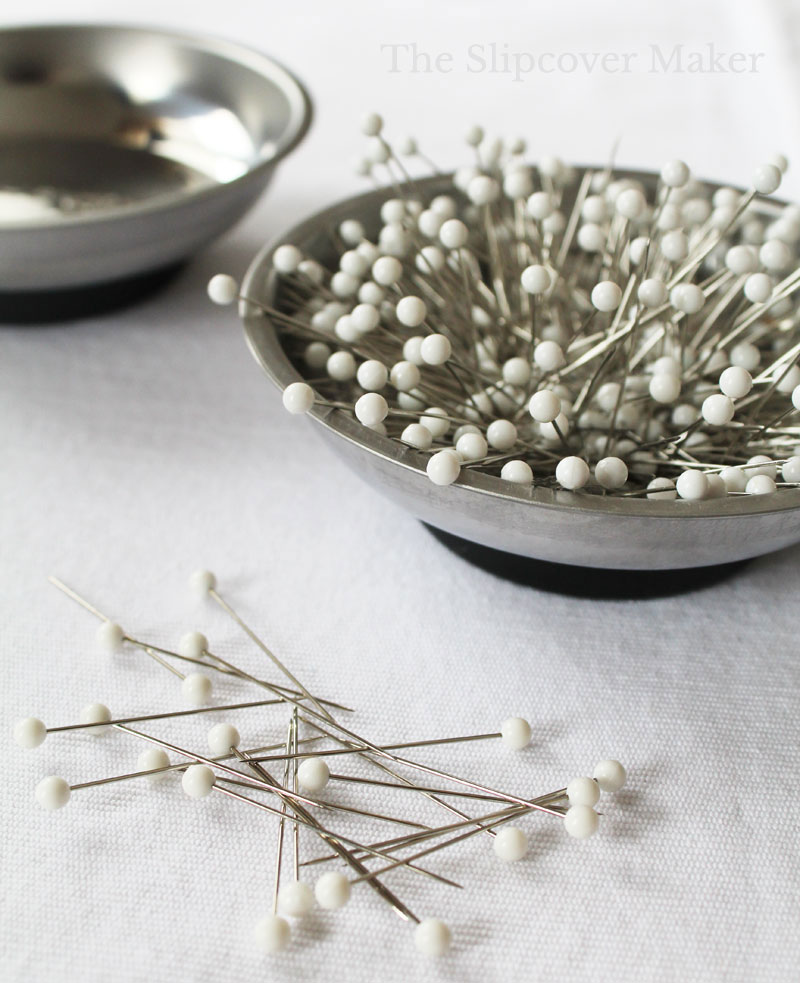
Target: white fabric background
[138,446]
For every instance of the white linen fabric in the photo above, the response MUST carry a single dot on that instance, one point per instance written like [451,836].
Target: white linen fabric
[141,445]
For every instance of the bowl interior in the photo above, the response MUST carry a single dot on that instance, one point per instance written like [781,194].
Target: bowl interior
[99,119]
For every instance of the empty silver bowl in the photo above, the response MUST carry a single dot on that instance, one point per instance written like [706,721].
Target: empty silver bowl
[541,523]
[123,149]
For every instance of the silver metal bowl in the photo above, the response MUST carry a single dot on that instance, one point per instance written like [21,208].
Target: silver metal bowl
[541,523]
[123,149]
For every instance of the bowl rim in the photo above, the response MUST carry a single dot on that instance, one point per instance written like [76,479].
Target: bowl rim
[301,112]
[261,335]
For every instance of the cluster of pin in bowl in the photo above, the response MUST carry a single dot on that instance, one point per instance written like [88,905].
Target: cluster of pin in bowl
[567,330]
[294,788]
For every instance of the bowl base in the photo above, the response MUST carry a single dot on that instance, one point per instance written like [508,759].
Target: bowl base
[595,582]
[71,303]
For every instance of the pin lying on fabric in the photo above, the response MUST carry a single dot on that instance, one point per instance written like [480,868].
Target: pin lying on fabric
[295,798]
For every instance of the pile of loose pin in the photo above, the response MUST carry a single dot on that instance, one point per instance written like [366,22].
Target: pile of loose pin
[293,784]
[565,329]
